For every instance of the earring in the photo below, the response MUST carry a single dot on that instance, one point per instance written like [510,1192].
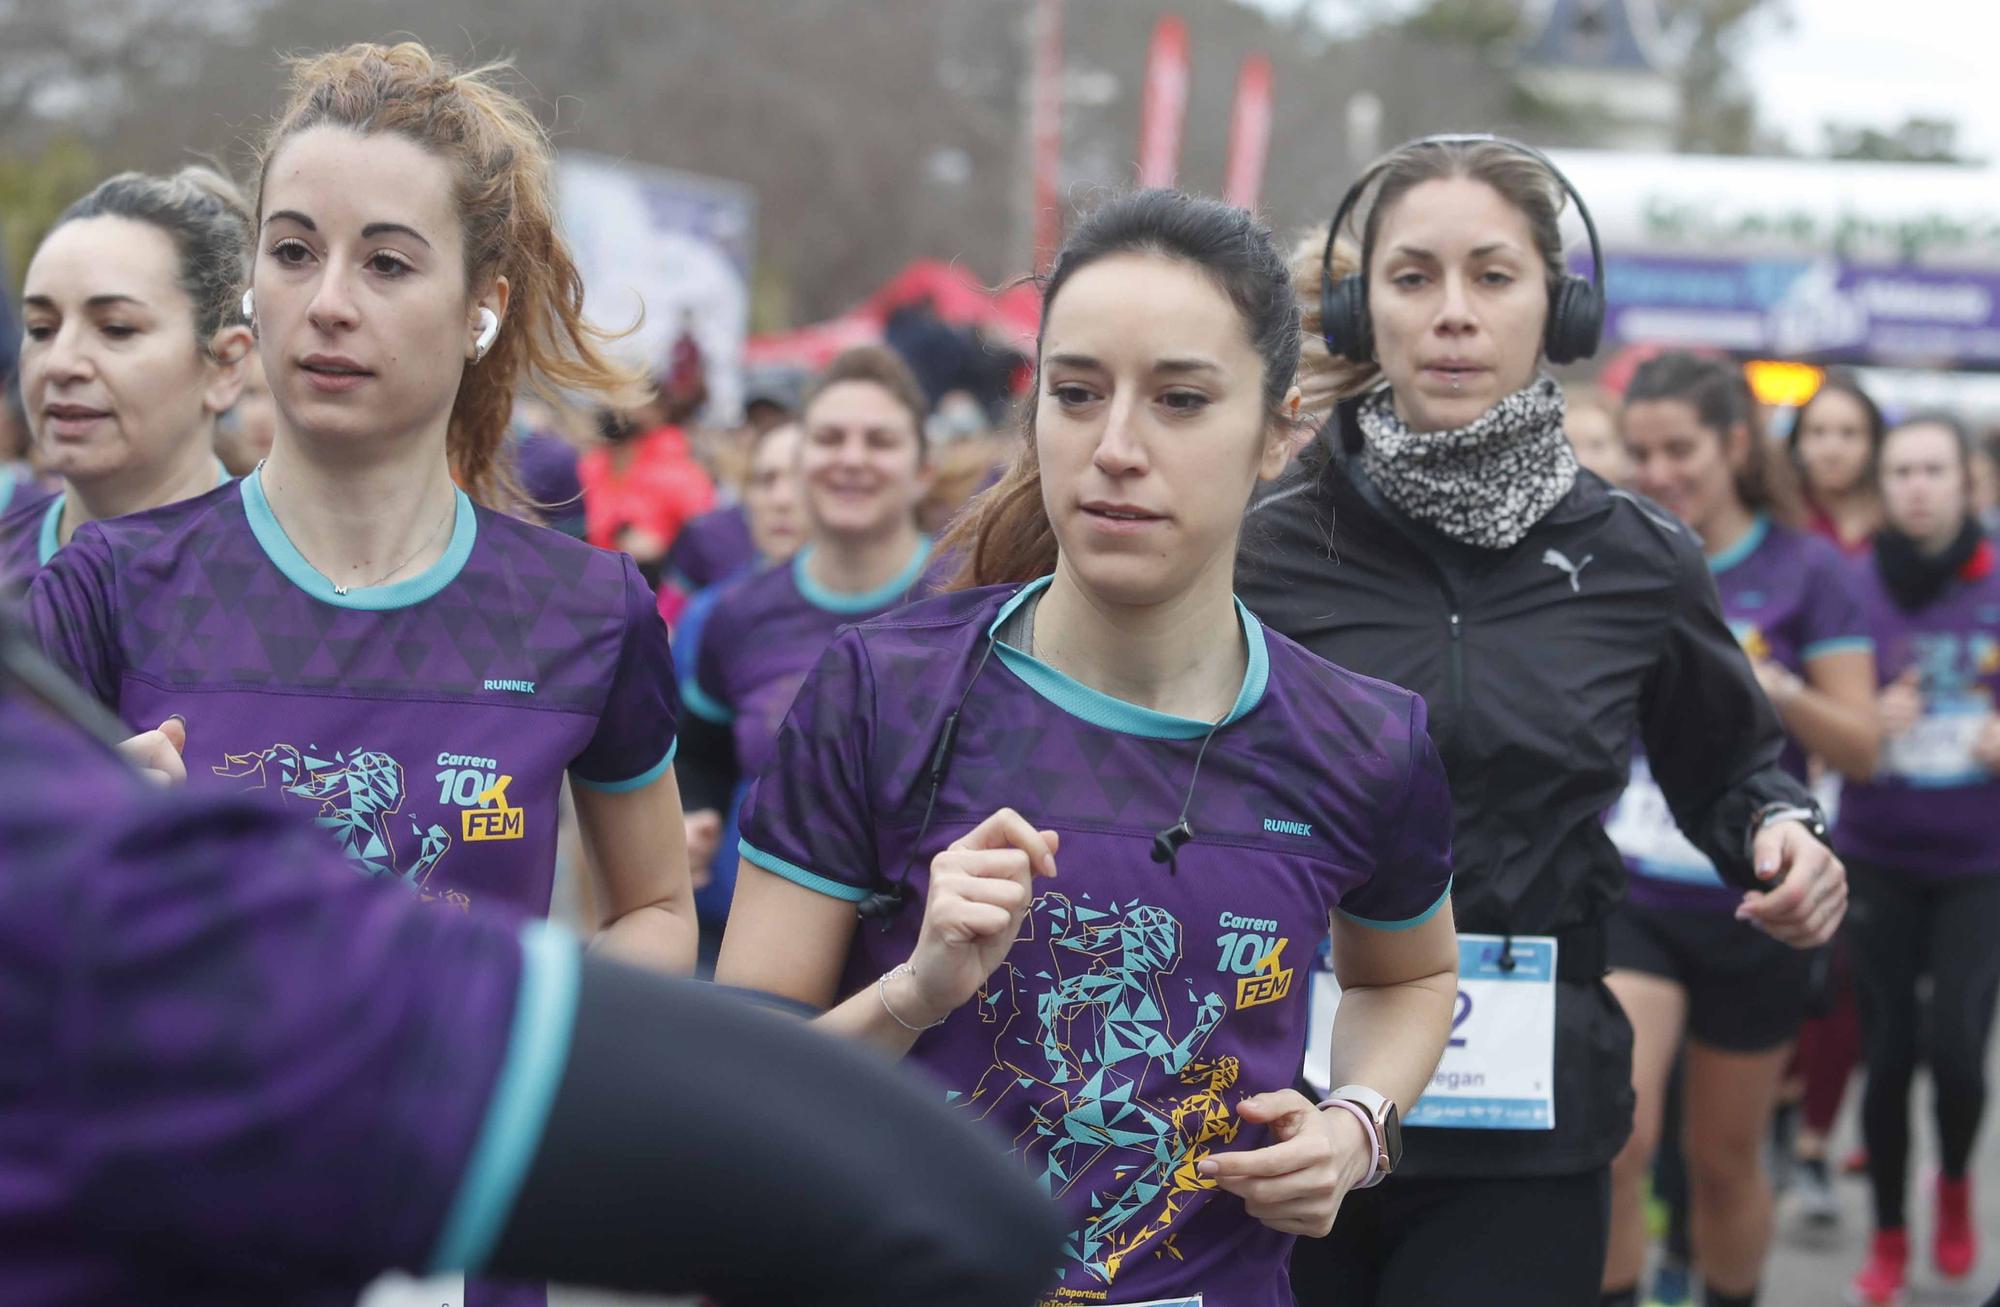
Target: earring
[249,307]
[489,331]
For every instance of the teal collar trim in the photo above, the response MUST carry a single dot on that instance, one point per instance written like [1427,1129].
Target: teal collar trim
[286,558]
[1742,549]
[46,543]
[1100,709]
[886,595]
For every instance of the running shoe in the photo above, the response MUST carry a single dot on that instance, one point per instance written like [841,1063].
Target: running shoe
[1672,1285]
[1813,1197]
[1880,1283]
[1955,1245]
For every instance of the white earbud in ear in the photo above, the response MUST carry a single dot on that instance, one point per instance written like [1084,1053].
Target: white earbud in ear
[489,331]
[249,306]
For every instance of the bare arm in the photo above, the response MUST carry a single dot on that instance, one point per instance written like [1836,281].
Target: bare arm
[637,841]
[792,941]
[1397,991]
[1831,712]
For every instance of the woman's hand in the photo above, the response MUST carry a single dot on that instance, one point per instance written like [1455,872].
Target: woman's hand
[157,753]
[1296,1184]
[1986,746]
[1811,894]
[1779,682]
[1900,704]
[980,890]
[704,834]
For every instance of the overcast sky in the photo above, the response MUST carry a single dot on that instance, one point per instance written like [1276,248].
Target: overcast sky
[1849,60]
[1861,62]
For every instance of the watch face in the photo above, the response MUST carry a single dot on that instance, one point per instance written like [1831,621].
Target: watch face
[1392,1136]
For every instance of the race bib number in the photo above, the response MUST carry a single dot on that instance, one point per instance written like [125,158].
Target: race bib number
[1498,1069]
[1642,826]
[1936,752]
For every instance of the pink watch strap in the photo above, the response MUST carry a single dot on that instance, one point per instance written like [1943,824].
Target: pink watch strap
[1374,1176]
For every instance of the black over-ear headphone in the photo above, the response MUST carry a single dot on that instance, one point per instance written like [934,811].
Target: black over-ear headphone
[1576,313]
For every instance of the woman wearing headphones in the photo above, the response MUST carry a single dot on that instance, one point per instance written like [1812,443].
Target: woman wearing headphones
[1440,535]
[346,632]
[1102,817]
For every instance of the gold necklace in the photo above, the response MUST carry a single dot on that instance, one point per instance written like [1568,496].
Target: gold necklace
[453,512]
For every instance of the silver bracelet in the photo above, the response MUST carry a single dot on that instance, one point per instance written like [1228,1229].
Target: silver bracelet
[882,992]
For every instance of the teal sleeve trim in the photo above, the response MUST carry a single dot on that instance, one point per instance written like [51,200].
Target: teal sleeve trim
[46,543]
[1410,923]
[537,1051]
[639,782]
[1839,644]
[702,705]
[284,555]
[798,875]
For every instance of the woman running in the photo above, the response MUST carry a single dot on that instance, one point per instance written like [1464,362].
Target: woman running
[1440,535]
[1922,841]
[132,347]
[774,515]
[1096,820]
[345,631]
[1682,964]
[1835,441]
[862,467]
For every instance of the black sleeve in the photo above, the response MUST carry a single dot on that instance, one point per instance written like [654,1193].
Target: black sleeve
[1712,738]
[706,763]
[735,1153]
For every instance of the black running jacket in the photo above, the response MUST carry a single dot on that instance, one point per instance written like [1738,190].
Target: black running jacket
[1541,664]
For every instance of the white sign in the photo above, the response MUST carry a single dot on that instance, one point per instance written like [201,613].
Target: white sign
[669,251]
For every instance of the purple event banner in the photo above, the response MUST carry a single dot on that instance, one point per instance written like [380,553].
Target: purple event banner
[1821,309]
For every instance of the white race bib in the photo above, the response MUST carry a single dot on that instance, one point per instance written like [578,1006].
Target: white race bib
[1498,1069]
[1936,752]
[1642,826]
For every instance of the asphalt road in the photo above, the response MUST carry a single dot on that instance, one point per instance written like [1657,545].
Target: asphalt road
[1813,1269]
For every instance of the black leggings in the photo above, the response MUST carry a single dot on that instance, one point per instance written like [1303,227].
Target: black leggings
[1536,1241]
[1901,928]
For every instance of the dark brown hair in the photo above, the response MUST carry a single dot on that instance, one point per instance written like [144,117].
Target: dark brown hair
[1722,402]
[1004,535]
[1840,383]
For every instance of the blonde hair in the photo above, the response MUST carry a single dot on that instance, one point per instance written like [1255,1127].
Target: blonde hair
[1325,378]
[504,188]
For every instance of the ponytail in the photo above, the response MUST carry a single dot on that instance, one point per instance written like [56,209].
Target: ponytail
[504,187]
[1004,536]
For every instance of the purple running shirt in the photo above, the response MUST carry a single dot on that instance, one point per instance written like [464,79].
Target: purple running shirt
[425,726]
[762,635]
[1931,809]
[1139,1005]
[235,1072]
